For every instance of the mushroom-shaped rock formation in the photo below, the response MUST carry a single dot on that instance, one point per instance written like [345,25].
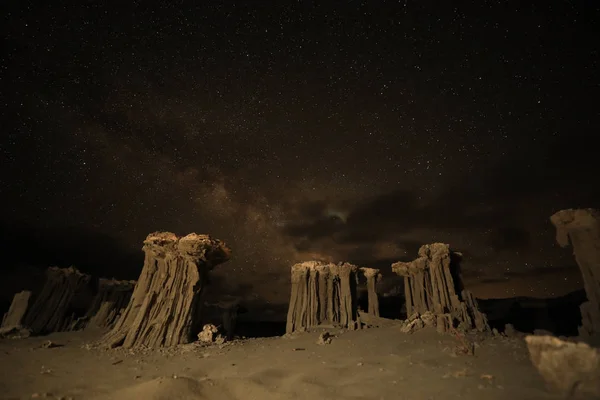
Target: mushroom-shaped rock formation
[323,293]
[432,284]
[164,308]
[373,276]
[581,229]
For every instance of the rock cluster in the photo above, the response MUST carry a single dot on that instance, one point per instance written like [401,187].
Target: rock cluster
[323,293]
[210,334]
[418,321]
[433,287]
[68,300]
[326,293]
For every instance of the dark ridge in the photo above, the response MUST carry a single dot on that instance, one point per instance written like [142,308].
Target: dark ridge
[560,315]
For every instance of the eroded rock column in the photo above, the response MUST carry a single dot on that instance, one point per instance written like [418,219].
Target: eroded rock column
[373,276]
[581,229]
[163,309]
[111,300]
[572,369]
[323,293]
[13,319]
[430,287]
[65,296]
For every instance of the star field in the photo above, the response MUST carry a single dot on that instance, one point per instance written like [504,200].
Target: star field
[356,131]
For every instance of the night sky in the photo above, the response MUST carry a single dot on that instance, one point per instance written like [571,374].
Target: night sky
[298,130]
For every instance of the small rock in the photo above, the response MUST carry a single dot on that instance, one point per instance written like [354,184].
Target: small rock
[208,334]
[509,330]
[49,344]
[220,340]
[324,338]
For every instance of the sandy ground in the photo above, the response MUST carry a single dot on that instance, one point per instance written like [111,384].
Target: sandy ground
[377,364]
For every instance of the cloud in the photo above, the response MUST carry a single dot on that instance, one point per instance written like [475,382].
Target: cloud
[271,223]
[392,219]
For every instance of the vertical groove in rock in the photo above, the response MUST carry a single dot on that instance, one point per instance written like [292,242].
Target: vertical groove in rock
[108,304]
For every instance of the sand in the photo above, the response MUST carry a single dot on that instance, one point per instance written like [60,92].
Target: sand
[379,363]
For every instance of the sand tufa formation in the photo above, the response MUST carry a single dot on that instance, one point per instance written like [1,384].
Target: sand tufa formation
[432,285]
[110,301]
[573,369]
[69,300]
[325,293]
[581,229]
[65,297]
[164,309]
[372,276]
[322,293]
[13,319]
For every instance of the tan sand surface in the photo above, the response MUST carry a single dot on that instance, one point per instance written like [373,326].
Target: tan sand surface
[380,363]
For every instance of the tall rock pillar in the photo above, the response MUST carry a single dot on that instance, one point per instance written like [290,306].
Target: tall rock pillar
[432,284]
[163,309]
[323,293]
[373,276]
[581,229]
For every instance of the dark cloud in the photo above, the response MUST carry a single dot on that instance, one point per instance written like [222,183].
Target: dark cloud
[507,203]
[393,214]
[319,228]
[400,207]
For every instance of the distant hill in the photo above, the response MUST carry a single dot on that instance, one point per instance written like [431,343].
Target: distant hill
[559,315]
